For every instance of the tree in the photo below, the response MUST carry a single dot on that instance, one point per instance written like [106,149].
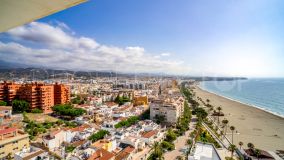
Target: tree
[207,100]
[20,106]
[36,110]
[99,135]
[219,113]
[241,144]
[232,148]
[170,136]
[257,153]
[130,121]
[2,103]
[68,110]
[167,145]
[157,153]
[200,113]
[225,123]
[121,100]
[232,128]
[250,146]
[160,119]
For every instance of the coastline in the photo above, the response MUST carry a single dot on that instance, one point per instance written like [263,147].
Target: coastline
[248,104]
[262,128]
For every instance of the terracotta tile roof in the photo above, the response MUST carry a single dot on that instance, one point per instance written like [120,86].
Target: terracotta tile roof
[8,130]
[53,133]
[4,108]
[124,153]
[79,143]
[110,104]
[121,155]
[79,128]
[149,134]
[100,143]
[129,149]
[101,154]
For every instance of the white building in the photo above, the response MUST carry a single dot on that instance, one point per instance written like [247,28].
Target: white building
[31,153]
[170,108]
[54,140]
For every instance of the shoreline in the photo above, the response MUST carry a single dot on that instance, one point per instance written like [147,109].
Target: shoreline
[250,105]
[262,128]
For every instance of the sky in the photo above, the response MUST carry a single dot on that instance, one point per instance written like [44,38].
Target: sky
[181,37]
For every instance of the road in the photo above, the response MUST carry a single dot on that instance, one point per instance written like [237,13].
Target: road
[180,143]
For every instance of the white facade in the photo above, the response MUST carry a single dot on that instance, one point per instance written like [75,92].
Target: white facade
[53,141]
[170,109]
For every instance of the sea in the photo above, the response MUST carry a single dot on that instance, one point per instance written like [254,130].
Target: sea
[266,94]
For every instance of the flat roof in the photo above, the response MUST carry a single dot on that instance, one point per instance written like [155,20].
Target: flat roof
[204,151]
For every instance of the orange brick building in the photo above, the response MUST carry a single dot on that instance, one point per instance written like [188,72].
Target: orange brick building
[38,95]
[61,94]
[8,91]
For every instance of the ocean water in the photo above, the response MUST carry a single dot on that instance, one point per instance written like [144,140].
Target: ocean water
[266,94]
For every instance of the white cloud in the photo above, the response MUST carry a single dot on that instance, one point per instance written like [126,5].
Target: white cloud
[56,46]
[165,54]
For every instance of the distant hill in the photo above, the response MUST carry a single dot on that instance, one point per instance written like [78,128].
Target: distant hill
[10,71]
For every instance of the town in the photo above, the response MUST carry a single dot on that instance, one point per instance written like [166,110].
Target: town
[117,118]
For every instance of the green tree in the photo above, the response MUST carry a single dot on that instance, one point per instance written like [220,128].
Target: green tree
[68,110]
[170,136]
[127,123]
[200,113]
[36,110]
[160,119]
[20,106]
[219,113]
[232,128]
[250,146]
[2,103]
[99,135]
[232,148]
[257,153]
[207,100]
[157,152]
[167,145]
[225,124]
[121,100]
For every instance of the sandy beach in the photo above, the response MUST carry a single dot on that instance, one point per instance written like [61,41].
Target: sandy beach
[263,129]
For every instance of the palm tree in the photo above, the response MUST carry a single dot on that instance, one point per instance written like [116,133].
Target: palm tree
[250,146]
[207,100]
[232,128]
[241,144]
[219,112]
[157,151]
[232,148]
[225,123]
[257,153]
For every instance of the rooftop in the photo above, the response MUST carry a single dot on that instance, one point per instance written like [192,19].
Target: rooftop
[204,151]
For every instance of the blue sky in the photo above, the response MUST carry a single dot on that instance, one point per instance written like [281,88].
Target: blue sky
[193,37]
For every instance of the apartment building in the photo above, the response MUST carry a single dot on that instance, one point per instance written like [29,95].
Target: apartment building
[170,108]
[61,94]
[8,91]
[12,140]
[38,95]
[1,92]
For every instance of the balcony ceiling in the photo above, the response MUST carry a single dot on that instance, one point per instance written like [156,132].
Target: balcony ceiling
[15,13]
